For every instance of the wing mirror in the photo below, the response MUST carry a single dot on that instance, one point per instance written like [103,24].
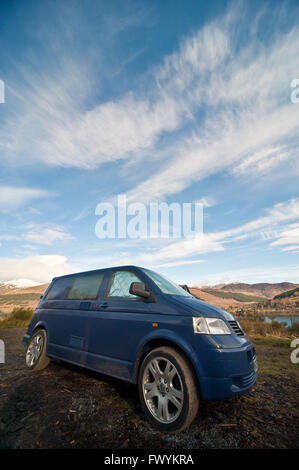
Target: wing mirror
[138,288]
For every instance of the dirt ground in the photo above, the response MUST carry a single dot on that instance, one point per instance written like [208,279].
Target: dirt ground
[65,406]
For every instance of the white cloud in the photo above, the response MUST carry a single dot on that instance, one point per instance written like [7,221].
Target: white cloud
[277,216]
[249,124]
[269,227]
[51,124]
[12,197]
[83,213]
[203,243]
[293,248]
[261,161]
[246,109]
[203,156]
[39,268]
[9,237]
[289,237]
[108,132]
[274,222]
[46,235]
[179,263]
[207,201]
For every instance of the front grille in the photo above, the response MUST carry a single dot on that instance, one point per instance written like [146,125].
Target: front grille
[236,328]
[245,381]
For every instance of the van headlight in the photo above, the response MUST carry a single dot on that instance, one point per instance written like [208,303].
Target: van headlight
[210,326]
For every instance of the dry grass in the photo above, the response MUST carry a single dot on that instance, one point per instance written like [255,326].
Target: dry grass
[19,318]
[275,329]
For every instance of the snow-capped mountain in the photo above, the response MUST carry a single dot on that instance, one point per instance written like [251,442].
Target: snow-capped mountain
[19,284]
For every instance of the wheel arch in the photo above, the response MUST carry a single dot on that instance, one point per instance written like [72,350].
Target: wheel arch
[156,342]
[40,326]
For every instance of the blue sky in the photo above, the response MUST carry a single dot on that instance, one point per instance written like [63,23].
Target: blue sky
[169,101]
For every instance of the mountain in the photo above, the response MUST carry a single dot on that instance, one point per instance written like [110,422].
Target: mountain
[262,289]
[18,284]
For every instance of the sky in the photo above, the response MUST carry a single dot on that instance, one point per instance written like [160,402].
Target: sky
[169,101]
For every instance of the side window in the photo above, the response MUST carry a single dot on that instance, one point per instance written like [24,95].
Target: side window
[85,287]
[59,288]
[119,285]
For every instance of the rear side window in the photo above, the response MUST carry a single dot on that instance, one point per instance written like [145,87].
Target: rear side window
[59,288]
[80,287]
[119,285]
[85,287]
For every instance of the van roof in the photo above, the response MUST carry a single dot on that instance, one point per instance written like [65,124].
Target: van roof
[130,266]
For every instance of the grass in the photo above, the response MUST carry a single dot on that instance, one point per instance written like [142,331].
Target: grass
[236,296]
[19,318]
[18,298]
[271,341]
[275,329]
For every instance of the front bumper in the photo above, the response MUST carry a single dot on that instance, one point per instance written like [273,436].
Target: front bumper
[220,388]
[228,373]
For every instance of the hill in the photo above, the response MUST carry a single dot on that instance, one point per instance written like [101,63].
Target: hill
[288,294]
[262,289]
[27,297]
[213,299]
[236,296]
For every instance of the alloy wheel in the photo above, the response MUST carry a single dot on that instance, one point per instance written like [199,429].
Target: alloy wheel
[34,350]
[163,390]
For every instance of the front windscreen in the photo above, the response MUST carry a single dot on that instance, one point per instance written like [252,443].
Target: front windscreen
[166,286]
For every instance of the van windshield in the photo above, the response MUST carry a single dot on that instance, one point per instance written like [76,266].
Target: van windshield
[166,286]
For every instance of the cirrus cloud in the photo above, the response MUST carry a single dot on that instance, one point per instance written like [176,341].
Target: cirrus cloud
[13,197]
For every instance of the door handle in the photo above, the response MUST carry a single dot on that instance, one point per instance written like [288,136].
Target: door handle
[104,305]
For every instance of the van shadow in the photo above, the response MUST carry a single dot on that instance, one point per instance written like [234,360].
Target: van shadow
[127,391]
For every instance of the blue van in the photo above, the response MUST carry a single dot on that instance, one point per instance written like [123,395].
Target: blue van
[134,324]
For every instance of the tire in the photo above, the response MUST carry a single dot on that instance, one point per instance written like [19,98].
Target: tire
[168,378]
[36,358]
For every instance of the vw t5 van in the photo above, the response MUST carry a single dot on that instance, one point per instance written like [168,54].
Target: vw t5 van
[134,324]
